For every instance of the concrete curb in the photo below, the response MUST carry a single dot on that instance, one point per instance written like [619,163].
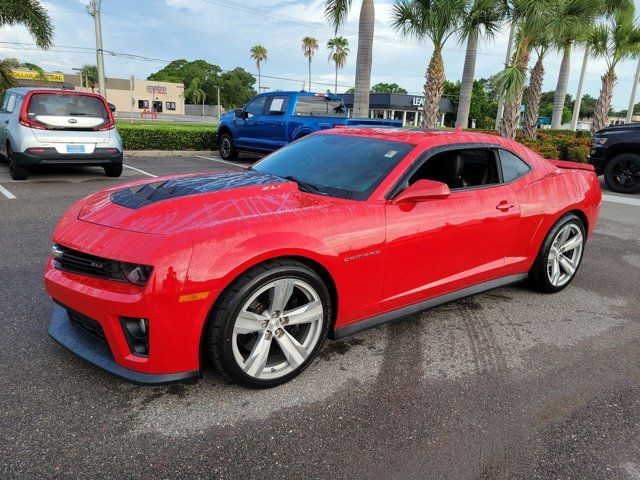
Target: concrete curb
[167,153]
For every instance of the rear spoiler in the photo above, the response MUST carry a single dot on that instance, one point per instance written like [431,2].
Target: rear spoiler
[572,165]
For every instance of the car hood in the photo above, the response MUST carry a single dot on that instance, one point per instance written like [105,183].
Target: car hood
[170,205]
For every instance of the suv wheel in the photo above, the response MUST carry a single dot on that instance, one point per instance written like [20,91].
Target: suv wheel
[18,172]
[228,150]
[269,324]
[113,170]
[622,173]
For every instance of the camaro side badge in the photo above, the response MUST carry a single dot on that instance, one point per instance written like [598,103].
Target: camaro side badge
[361,256]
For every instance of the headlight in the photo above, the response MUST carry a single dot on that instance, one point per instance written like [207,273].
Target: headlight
[599,141]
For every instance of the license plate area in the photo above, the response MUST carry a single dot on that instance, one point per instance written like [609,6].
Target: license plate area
[75,148]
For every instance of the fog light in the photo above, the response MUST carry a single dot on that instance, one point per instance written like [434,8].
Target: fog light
[136,332]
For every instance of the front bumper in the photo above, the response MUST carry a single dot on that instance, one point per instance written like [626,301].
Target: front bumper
[98,352]
[99,157]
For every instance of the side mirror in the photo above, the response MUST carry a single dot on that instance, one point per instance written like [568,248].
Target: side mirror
[423,190]
[238,112]
[112,107]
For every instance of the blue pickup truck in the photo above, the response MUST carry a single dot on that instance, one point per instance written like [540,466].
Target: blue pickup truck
[271,120]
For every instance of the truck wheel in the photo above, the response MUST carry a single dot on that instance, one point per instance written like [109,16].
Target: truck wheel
[622,173]
[228,150]
[18,172]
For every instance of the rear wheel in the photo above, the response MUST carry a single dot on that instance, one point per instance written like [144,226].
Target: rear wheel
[560,256]
[228,151]
[622,173]
[113,170]
[269,325]
[18,172]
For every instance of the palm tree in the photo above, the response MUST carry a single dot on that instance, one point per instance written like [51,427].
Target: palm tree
[436,20]
[614,40]
[532,18]
[570,20]
[34,17]
[259,54]
[336,12]
[309,47]
[480,17]
[90,75]
[339,50]
[530,123]
[195,93]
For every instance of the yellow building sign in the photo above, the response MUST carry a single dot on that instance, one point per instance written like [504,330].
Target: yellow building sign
[52,77]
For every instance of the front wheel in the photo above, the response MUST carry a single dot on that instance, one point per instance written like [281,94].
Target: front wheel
[228,151]
[622,173]
[560,255]
[269,325]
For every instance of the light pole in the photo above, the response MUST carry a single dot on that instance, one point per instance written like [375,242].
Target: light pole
[131,85]
[218,105]
[94,10]
[632,100]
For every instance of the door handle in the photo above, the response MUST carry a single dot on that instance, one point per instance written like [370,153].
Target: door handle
[7,121]
[504,206]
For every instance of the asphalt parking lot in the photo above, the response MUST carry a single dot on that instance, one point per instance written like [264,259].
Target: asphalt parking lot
[508,384]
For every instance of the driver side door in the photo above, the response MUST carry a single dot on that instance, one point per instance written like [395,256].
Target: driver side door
[249,128]
[438,246]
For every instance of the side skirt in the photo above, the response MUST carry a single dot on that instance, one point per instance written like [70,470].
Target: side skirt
[409,310]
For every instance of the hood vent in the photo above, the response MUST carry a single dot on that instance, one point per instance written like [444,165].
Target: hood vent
[142,195]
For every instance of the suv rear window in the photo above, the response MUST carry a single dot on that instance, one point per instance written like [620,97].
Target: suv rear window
[43,105]
[319,106]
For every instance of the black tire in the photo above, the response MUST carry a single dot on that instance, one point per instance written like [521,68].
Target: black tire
[18,172]
[222,318]
[622,173]
[228,150]
[113,170]
[538,275]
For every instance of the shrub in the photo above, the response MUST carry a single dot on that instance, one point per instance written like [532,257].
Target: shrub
[578,153]
[166,137]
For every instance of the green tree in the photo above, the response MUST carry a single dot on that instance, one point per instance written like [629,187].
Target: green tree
[31,14]
[338,53]
[483,107]
[615,39]
[309,48]
[195,93]
[336,12]
[184,71]
[387,88]
[259,54]
[89,74]
[436,20]
[481,18]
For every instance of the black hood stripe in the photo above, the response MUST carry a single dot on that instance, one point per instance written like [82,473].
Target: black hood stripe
[142,195]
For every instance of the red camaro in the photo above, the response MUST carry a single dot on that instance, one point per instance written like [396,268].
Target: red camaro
[340,231]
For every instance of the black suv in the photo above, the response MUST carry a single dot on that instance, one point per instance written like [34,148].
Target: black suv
[615,153]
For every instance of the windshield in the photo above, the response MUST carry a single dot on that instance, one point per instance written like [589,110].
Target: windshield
[342,166]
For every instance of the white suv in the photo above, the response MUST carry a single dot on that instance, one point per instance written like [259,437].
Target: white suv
[45,126]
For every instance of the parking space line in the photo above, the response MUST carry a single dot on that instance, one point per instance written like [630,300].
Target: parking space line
[223,161]
[623,200]
[7,193]
[140,171]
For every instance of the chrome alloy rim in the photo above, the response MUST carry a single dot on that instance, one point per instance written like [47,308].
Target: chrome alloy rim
[277,328]
[225,146]
[564,256]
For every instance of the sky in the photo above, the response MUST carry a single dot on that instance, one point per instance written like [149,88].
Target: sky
[222,32]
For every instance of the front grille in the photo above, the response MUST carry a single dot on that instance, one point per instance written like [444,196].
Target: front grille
[87,325]
[84,264]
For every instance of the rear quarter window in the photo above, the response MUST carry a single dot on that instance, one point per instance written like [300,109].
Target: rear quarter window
[513,167]
[319,106]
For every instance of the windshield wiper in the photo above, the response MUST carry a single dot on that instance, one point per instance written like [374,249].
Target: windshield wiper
[304,186]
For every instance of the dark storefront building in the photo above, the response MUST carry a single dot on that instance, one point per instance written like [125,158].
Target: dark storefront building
[398,106]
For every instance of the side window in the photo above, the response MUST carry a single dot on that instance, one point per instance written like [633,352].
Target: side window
[512,166]
[276,104]
[256,107]
[465,168]
[5,101]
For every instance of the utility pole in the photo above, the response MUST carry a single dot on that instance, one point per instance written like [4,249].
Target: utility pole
[131,87]
[512,32]
[94,10]
[218,105]
[632,100]
[578,102]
